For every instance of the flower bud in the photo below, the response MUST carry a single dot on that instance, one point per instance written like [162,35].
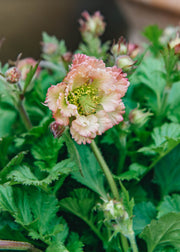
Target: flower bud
[13,75]
[175,44]
[125,62]
[67,57]
[133,50]
[56,129]
[92,24]
[24,66]
[120,48]
[124,48]
[139,117]
[49,48]
[114,210]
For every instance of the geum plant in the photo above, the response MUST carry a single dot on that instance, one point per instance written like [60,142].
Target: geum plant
[89,145]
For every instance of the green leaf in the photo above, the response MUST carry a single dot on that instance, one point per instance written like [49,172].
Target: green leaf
[57,247]
[153,33]
[135,172]
[8,168]
[8,118]
[23,174]
[90,173]
[30,75]
[46,150]
[151,73]
[127,203]
[5,143]
[36,210]
[167,172]
[74,244]
[6,199]
[144,213]
[174,103]
[80,204]
[165,132]
[169,204]
[166,137]
[163,232]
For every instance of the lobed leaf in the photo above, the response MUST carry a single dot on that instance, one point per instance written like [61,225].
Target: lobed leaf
[163,232]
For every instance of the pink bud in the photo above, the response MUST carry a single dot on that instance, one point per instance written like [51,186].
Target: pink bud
[49,48]
[56,129]
[13,75]
[175,43]
[125,62]
[94,25]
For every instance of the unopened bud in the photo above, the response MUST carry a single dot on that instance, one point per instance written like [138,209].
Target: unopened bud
[67,57]
[56,129]
[120,48]
[125,62]
[13,75]
[49,48]
[133,50]
[175,44]
[94,25]
[139,117]
[24,66]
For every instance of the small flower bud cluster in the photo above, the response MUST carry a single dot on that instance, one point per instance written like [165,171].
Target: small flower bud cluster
[117,218]
[114,210]
[13,75]
[124,54]
[94,25]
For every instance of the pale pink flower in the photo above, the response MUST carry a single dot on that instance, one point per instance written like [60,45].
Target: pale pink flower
[89,100]
[24,66]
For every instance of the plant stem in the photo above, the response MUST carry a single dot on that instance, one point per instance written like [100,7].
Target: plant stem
[24,116]
[124,242]
[105,169]
[17,245]
[133,243]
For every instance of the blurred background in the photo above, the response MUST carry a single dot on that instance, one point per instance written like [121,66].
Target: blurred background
[22,21]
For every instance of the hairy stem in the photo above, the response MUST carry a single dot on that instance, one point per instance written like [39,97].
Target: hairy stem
[105,169]
[17,245]
[24,116]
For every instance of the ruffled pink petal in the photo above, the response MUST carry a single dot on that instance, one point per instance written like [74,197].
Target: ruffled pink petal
[81,139]
[60,119]
[53,95]
[80,59]
[116,116]
[104,122]
[85,125]
[121,83]
[110,101]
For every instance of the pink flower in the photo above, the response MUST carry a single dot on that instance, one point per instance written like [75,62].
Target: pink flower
[89,100]
[24,66]
[92,24]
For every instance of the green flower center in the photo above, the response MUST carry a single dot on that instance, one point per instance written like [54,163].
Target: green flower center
[86,99]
